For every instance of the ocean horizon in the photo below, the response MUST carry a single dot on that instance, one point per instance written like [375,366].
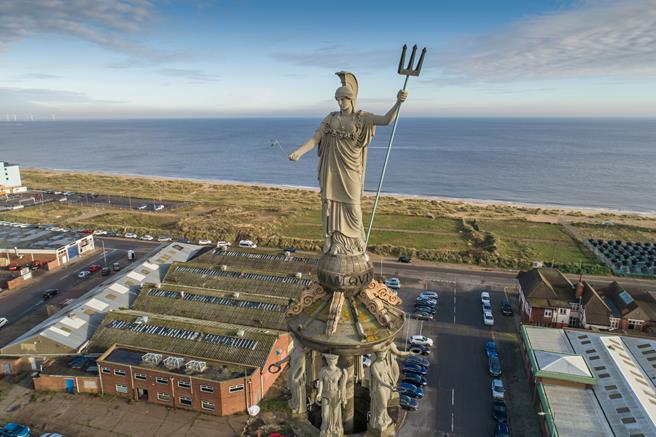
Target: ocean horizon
[591,163]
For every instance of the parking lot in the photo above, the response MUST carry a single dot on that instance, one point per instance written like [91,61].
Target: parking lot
[458,399]
[25,307]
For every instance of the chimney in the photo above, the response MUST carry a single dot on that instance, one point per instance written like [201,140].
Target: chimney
[579,287]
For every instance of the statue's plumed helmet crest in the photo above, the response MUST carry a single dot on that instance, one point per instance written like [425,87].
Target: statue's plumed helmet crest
[349,86]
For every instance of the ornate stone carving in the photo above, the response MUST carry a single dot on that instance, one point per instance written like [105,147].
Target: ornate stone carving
[382,292]
[309,296]
[335,311]
[331,393]
[296,378]
[380,391]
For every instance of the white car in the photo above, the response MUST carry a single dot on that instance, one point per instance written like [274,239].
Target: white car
[147,237]
[130,235]
[204,242]
[83,274]
[421,339]
[497,389]
[247,243]
[222,243]
[99,232]
[142,207]
[163,238]
[393,283]
[488,319]
[158,207]
[3,321]
[485,297]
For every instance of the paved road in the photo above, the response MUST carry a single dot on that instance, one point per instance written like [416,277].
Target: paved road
[24,307]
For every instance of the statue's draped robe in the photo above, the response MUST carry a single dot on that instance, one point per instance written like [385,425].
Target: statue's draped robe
[342,161]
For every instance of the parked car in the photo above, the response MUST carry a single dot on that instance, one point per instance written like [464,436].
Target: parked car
[393,283]
[83,274]
[366,360]
[486,306]
[14,429]
[158,207]
[116,267]
[485,297]
[416,359]
[147,237]
[87,231]
[290,249]
[405,259]
[414,368]
[502,429]
[164,238]
[407,403]
[415,379]
[14,267]
[426,309]
[204,242]
[131,255]
[419,349]
[184,240]
[99,232]
[93,268]
[130,235]
[428,294]
[506,308]
[411,390]
[497,389]
[421,339]
[105,271]
[490,348]
[50,292]
[431,303]
[223,244]
[488,319]
[423,315]
[247,244]
[499,411]
[3,321]
[112,234]
[142,207]
[494,365]
[77,362]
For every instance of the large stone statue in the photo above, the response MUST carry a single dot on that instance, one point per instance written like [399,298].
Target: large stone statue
[343,138]
[332,394]
[296,379]
[383,381]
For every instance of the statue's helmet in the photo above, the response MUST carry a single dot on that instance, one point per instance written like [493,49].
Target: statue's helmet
[349,87]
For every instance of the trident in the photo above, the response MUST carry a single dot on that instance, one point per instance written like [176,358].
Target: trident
[407,72]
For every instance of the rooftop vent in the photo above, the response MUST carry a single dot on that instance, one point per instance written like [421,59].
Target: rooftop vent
[194,366]
[173,362]
[152,359]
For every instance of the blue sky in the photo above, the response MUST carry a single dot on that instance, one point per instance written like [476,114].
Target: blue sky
[141,58]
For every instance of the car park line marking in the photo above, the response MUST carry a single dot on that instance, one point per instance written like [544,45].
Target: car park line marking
[453,396]
[452,420]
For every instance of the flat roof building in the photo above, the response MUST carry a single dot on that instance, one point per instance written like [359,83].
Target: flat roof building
[10,179]
[589,383]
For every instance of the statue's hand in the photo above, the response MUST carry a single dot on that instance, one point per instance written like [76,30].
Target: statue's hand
[402,96]
[294,156]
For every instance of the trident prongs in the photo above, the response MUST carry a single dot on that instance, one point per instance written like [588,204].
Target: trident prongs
[409,70]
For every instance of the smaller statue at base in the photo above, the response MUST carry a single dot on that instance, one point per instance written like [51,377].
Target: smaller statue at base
[382,386]
[331,393]
[296,379]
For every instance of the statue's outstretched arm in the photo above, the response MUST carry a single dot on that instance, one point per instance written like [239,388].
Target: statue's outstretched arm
[384,120]
[395,350]
[306,147]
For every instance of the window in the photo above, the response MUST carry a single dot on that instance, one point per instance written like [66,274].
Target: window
[562,311]
[163,396]
[185,400]
[120,388]
[548,313]
[105,370]
[140,376]
[628,420]
[161,380]
[184,384]
[207,388]
[207,405]
[622,410]
[615,396]
[235,388]
[610,387]
[119,372]
[634,324]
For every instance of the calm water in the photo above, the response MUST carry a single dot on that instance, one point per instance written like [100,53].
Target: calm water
[589,163]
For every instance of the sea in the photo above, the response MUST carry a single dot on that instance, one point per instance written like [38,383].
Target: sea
[607,164]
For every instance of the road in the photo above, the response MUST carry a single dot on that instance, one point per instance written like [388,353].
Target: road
[458,399]
[25,306]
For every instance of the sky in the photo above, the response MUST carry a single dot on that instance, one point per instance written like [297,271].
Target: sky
[69,59]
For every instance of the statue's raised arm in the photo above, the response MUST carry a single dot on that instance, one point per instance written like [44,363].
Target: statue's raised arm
[384,120]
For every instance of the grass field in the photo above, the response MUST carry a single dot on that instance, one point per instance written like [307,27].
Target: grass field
[428,228]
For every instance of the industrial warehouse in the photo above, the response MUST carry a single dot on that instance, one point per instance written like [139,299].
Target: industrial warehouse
[196,332]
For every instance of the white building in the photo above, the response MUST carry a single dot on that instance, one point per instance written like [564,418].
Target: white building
[10,180]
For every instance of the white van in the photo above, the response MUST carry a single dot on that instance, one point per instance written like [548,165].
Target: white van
[247,243]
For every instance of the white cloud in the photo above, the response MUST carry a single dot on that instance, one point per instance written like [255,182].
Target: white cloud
[594,39]
[11,97]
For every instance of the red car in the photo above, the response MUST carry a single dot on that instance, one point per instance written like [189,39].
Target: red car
[87,231]
[13,267]
[94,268]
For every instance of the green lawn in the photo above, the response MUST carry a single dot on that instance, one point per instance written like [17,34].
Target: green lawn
[616,232]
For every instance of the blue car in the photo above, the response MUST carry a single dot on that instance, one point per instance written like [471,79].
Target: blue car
[490,348]
[425,309]
[414,368]
[407,403]
[502,430]
[15,430]
[411,390]
[494,365]
[414,379]
[416,359]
